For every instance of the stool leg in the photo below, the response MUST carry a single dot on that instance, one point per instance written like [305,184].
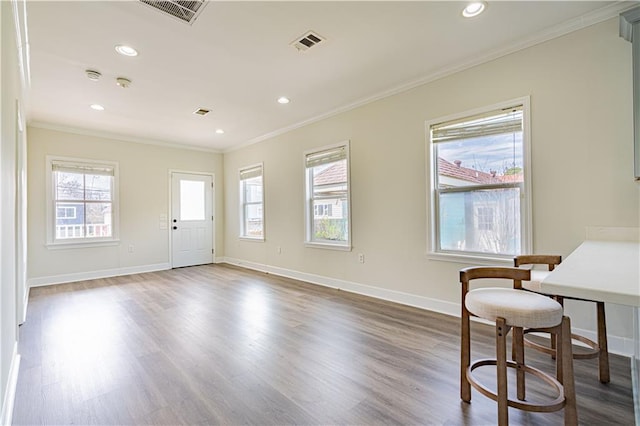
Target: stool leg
[565,358]
[465,355]
[518,347]
[603,356]
[501,367]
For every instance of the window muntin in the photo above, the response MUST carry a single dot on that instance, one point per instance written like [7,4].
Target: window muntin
[83,201]
[478,184]
[252,202]
[327,194]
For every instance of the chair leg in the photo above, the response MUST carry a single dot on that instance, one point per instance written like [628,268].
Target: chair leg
[565,358]
[560,300]
[518,347]
[501,367]
[603,356]
[465,356]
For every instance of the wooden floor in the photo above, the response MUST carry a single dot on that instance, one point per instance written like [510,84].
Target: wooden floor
[222,345]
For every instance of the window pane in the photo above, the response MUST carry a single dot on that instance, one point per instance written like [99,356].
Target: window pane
[69,220]
[253,190]
[253,220]
[98,220]
[330,223]
[486,221]
[69,186]
[492,159]
[98,187]
[192,197]
[330,206]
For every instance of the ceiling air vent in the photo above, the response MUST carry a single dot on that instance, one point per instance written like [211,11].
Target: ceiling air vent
[185,11]
[201,111]
[307,41]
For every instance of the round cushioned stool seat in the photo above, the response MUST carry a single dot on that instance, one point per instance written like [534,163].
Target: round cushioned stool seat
[518,308]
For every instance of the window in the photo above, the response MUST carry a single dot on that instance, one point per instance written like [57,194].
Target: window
[327,197]
[252,202]
[480,196]
[83,201]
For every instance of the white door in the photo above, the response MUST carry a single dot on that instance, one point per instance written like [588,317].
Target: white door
[191,219]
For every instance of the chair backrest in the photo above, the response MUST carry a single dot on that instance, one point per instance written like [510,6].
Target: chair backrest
[537,259]
[517,275]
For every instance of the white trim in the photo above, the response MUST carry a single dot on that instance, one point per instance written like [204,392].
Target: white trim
[170,211]
[607,12]
[308,210]
[242,234]
[616,344]
[118,137]
[79,244]
[470,259]
[25,304]
[51,241]
[435,305]
[92,275]
[10,390]
[526,220]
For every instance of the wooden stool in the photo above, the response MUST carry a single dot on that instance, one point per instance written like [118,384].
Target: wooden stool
[596,350]
[513,308]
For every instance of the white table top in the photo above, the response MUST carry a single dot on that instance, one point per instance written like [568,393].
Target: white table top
[606,271]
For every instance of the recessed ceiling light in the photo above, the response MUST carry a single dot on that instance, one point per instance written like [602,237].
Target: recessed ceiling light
[220,131]
[126,50]
[97,107]
[283,100]
[474,9]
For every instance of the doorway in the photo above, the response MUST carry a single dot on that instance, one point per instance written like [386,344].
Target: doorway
[191,219]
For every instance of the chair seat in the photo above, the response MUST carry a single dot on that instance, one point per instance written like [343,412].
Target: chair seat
[518,308]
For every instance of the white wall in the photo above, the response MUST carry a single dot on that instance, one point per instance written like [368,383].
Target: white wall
[580,88]
[144,196]
[12,93]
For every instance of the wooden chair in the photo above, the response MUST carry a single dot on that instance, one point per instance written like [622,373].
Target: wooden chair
[515,309]
[597,349]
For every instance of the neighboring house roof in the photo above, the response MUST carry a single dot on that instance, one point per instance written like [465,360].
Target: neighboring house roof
[456,171]
[336,173]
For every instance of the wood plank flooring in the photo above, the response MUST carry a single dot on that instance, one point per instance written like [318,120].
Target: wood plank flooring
[217,344]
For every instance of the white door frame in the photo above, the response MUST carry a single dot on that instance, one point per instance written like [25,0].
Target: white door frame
[213,210]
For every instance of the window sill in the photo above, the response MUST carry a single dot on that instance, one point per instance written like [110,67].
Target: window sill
[470,259]
[328,246]
[253,239]
[81,244]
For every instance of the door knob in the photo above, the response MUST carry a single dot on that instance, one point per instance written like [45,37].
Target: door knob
[175,227]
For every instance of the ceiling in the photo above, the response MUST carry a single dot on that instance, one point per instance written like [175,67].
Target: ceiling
[236,60]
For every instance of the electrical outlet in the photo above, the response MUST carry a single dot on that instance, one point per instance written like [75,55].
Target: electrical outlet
[131,248]
[279,250]
[361,257]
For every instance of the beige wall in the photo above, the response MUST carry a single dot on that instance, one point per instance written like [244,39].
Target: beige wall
[144,196]
[580,89]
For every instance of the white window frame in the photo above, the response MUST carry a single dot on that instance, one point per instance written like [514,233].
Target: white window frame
[525,196]
[243,202]
[52,241]
[308,203]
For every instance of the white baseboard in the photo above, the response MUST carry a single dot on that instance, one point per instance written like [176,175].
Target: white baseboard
[617,345]
[92,275]
[10,389]
[427,303]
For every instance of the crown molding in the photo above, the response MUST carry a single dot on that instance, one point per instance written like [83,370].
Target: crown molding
[607,12]
[118,137]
